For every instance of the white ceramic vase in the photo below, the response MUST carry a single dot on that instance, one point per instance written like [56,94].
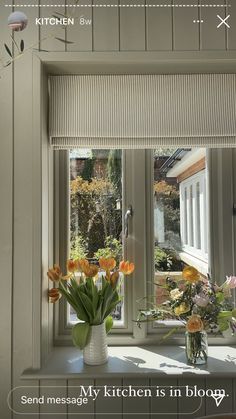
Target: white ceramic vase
[96,352]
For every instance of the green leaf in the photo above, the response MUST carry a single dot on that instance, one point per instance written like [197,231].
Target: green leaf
[80,334]
[234,313]
[108,323]
[223,325]
[219,297]
[8,50]
[224,315]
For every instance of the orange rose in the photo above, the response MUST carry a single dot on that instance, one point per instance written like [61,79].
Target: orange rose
[126,267]
[107,264]
[54,295]
[194,324]
[191,274]
[90,271]
[54,273]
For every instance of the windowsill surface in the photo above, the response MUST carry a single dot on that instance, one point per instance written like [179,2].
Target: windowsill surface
[128,361]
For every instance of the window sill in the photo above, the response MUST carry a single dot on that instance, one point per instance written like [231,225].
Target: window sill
[128,361]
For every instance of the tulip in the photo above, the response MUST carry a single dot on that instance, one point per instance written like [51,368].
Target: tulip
[54,273]
[83,264]
[73,265]
[191,274]
[107,264]
[126,267]
[194,324]
[90,271]
[114,279]
[54,295]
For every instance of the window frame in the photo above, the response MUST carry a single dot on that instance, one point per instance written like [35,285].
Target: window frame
[138,164]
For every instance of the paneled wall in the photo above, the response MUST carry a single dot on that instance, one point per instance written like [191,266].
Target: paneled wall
[139,25]
[138,28]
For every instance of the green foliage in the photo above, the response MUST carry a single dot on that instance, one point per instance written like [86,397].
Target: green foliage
[87,172]
[109,323]
[168,197]
[92,304]
[114,170]
[166,260]
[113,248]
[93,212]
[78,248]
[80,334]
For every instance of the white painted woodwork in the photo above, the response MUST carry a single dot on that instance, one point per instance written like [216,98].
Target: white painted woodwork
[106,26]
[6,220]
[20,177]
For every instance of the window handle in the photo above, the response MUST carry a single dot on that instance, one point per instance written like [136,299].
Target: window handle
[128,215]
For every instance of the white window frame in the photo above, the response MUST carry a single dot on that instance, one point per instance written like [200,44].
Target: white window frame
[189,220]
[138,164]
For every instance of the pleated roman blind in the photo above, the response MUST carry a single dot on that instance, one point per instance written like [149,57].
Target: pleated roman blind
[142,111]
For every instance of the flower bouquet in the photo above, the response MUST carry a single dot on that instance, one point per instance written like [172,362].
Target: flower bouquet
[93,292]
[202,306]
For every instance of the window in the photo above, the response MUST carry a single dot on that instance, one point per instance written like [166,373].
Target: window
[167,189]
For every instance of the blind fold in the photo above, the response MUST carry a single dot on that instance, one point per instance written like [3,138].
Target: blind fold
[142,111]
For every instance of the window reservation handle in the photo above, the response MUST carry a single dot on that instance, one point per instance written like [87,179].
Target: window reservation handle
[128,215]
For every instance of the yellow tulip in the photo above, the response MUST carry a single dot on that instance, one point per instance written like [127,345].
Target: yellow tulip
[191,274]
[126,267]
[107,264]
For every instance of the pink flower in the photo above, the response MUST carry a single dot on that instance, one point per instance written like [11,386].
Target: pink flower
[201,300]
[230,282]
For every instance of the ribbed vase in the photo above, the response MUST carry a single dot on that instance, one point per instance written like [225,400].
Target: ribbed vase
[96,352]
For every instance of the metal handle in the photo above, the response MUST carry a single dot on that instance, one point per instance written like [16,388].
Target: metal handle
[128,215]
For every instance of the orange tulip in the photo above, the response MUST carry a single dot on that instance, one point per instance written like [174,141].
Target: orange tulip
[83,264]
[73,265]
[191,274]
[90,271]
[54,295]
[114,279]
[194,324]
[126,267]
[54,273]
[107,264]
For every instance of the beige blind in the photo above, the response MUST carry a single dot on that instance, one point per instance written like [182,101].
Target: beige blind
[142,111]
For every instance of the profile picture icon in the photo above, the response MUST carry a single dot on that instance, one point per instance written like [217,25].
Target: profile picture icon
[17,21]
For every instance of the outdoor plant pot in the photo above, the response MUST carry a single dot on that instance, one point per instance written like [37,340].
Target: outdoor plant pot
[95,352]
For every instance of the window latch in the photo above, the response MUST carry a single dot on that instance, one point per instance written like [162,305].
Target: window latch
[128,215]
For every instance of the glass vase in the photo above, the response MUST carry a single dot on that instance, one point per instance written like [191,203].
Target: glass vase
[196,347]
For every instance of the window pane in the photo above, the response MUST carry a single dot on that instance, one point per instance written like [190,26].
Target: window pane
[96,209]
[180,214]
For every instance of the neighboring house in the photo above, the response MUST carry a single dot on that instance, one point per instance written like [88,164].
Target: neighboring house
[189,169]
